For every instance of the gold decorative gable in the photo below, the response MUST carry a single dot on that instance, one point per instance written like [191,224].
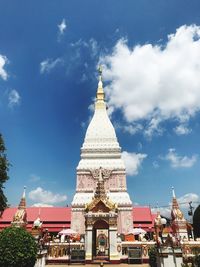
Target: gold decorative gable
[101,205]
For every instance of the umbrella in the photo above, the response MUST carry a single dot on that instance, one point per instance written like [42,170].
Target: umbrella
[67,232]
[137,231]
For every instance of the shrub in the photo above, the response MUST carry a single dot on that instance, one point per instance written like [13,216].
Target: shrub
[153,257]
[197,260]
[17,248]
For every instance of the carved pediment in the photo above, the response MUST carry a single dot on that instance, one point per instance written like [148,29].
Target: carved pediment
[100,201]
[101,205]
[96,172]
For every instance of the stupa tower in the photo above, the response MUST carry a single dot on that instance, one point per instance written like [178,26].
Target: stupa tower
[20,217]
[101,152]
[179,223]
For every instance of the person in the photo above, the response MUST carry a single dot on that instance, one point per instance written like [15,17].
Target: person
[62,239]
[57,240]
[102,244]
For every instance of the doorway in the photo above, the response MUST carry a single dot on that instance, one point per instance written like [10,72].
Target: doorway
[100,240]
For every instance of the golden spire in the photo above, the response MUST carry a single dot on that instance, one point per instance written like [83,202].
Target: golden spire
[20,217]
[100,93]
[24,192]
[174,200]
[100,70]
[173,192]
[22,204]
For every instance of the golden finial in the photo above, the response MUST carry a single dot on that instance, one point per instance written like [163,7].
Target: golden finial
[100,104]
[24,192]
[100,70]
[173,192]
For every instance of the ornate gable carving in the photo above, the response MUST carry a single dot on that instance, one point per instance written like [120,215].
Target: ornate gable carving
[104,172]
[100,201]
[101,205]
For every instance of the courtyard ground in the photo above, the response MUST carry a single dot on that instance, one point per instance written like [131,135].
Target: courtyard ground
[96,265]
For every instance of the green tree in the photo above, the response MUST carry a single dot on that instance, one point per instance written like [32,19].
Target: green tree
[196,222]
[4,168]
[197,260]
[17,248]
[153,257]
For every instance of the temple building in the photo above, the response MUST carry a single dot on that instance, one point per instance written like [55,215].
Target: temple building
[101,162]
[101,152]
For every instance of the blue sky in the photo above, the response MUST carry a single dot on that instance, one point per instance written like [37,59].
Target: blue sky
[49,52]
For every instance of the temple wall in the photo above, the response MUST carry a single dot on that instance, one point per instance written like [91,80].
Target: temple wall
[85,182]
[116,182]
[125,220]
[78,221]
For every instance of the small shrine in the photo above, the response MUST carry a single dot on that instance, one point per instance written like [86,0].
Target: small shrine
[101,225]
[20,217]
[179,223]
[36,230]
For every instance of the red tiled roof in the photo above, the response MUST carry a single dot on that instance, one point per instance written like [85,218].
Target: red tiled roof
[144,226]
[55,218]
[142,214]
[47,214]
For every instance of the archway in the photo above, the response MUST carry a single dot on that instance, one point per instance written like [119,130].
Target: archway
[100,240]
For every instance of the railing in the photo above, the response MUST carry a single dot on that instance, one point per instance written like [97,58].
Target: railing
[136,251]
[62,250]
[186,249]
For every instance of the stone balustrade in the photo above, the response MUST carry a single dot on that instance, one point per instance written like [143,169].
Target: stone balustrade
[62,250]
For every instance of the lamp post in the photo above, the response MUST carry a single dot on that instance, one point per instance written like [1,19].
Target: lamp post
[159,226]
[150,233]
[163,223]
[190,213]
[69,254]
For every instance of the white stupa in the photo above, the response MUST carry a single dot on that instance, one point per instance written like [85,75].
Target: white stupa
[101,149]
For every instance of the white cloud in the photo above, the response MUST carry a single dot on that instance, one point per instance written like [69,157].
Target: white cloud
[94,46]
[47,197]
[131,128]
[153,128]
[49,64]
[41,205]
[91,44]
[84,77]
[154,82]
[92,107]
[155,164]
[185,199]
[182,130]
[139,146]
[132,162]
[3,73]
[183,202]
[177,161]
[164,211]
[13,98]
[126,128]
[62,26]
[34,178]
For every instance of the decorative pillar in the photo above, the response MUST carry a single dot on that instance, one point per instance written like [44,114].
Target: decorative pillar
[114,255]
[88,243]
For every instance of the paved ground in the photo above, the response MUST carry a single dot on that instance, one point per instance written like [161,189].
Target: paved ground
[106,265]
